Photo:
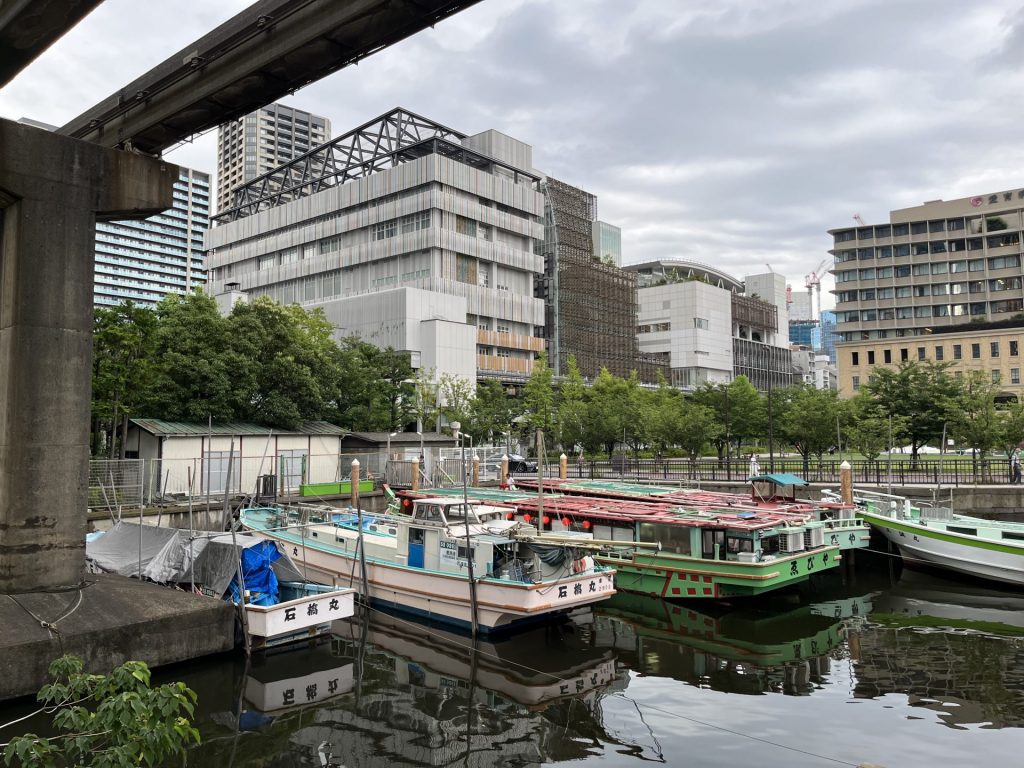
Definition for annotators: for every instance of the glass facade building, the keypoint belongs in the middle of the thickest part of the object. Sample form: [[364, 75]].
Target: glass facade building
[[145, 260]]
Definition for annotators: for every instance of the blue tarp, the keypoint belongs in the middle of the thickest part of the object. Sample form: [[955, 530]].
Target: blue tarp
[[781, 478], [260, 579]]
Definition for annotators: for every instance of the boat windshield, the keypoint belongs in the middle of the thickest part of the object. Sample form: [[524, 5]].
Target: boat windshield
[[444, 513]]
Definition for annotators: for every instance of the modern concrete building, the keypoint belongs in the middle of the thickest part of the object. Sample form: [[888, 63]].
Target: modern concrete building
[[697, 317], [800, 305], [425, 243], [144, 260], [938, 268], [590, 305], [813, 368], [261, 141]]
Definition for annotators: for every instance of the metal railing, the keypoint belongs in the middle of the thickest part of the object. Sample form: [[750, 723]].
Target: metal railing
[[926, 471]]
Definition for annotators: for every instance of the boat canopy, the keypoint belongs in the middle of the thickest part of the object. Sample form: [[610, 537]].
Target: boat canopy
[[780, 478]]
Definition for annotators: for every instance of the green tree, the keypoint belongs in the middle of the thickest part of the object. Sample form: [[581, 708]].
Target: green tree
[[572, 407], [664, 425], [924, 391], [123, 346], [1010, 432], [975, 421], [539, 396], [807, 420], [114, 721], [290, 369], [457, 396], [869, 430], [697, 426], [605, 415], [494, 412], [194, 365]]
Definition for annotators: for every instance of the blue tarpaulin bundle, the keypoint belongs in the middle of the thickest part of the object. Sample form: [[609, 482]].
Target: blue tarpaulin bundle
[[258, 575]]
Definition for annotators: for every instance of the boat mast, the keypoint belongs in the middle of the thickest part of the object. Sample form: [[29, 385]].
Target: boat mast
[[456, 426]]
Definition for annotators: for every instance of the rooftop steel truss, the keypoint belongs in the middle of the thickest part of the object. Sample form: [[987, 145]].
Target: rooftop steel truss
[[385, 141]]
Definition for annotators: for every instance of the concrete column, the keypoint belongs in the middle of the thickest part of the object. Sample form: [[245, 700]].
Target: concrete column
[[52, 191]]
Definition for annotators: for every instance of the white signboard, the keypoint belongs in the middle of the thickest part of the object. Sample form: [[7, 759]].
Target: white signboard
[[596, 584]]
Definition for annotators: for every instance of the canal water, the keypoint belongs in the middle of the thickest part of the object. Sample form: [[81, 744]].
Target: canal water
[[903, 670]]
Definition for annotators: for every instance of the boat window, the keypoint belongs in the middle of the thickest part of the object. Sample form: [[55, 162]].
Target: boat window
[[428, 512], [965, 531], [673, 538], [1013, 535], [770, 545], [735, 544]]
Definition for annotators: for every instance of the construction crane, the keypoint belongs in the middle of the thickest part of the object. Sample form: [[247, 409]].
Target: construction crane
[[858, 219], [813, 281]]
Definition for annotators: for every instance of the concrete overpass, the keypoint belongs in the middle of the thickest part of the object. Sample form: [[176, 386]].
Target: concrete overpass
[[53, 188]]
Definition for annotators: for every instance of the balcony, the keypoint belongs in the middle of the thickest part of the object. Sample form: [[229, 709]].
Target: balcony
[[516, 341], [491, 364]]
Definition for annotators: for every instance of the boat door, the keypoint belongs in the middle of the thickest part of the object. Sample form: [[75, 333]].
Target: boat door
[[713, 545], [417, 537]]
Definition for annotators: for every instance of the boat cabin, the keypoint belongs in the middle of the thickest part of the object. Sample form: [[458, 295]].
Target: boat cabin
[[776, 487]]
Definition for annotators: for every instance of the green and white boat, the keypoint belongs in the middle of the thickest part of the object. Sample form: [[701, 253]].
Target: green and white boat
[[936, 536]]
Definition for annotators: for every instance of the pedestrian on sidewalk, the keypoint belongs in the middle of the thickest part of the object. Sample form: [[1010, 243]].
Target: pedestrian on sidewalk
[[755, 468], [1015, 466]]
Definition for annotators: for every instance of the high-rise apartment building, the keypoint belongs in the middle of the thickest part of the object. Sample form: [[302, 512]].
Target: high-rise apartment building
[[144, 260], [259, 142], [425, 242], [940, 281]]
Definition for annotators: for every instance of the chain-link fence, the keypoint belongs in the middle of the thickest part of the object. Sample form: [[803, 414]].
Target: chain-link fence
[[130, 483]]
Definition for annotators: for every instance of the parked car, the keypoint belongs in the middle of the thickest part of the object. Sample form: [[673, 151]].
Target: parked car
[[516, 463]]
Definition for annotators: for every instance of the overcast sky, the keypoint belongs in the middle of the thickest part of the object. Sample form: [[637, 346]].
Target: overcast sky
[[733, 133]]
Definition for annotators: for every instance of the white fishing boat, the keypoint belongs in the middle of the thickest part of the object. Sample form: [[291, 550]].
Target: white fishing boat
[[418, 563], [933, 535], [280, 605]]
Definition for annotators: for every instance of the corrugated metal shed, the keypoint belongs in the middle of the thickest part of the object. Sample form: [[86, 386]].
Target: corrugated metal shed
[[240, 428]]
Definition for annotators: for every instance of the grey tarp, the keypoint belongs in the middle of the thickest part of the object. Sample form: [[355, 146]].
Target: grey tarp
[[168, 557]]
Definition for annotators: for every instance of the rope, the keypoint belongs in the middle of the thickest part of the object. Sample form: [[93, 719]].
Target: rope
[[51, 626]]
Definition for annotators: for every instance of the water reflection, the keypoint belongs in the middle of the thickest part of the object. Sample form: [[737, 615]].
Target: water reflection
[[911, 671], [955, 648], [783, 649], [410, 694]]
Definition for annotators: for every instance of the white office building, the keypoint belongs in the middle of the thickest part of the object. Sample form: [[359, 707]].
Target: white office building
[[426, 242]]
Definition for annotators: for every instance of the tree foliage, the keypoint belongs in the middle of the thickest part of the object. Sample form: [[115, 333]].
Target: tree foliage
[[108, 721]]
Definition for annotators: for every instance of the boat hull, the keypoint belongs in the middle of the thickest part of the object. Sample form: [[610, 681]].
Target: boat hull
[[995, 561], [673, 577], [444, 597]]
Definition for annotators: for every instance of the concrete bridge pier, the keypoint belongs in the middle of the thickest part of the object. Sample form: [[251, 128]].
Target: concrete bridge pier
[[53, 189]]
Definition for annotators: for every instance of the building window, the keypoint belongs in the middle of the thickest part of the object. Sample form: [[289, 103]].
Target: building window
[[920, 353], [957, 353], [266, 262], [385, 229], [700, 322], [993, 349], [1013, 348], [996, 376], [1015, 375], [465, 269], [939, 354], [975, 351], [855, 358], [465, 226], [871, 357], [903, 354], [887, 355], [856, 383]]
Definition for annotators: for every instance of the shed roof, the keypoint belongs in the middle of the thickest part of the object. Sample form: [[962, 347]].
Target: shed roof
[[782, 478], [231, 428]]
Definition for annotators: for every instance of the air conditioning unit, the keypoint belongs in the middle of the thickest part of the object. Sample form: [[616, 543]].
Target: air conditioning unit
[[814, 537], [792, 541]]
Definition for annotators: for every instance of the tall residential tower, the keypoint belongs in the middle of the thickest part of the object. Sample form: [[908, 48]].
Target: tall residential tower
[[262, 140]]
